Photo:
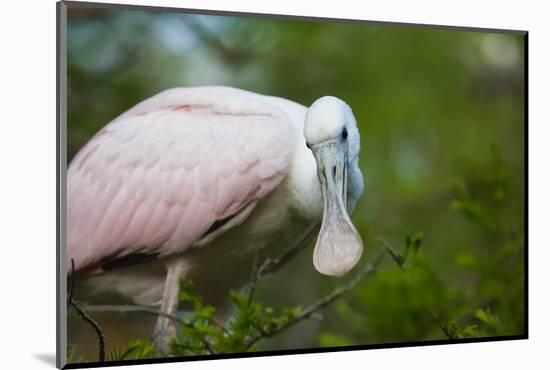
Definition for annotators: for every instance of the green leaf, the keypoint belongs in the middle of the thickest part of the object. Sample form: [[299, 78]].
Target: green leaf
[[491, 321], [470, 332]]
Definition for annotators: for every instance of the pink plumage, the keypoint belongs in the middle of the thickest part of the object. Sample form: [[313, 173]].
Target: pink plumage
[[156, 178], [202, 184]]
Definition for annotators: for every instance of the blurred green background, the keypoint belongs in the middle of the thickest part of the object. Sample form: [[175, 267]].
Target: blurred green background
[[441, 117]]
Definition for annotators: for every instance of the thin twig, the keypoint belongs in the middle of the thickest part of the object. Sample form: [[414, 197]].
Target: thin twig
[[323, 302], [72, 302], [396, 256], [272, 264], [259, 272], [134, 308], [72, 282], [253, 278], [400, 261], [148, 310], [95, 325]]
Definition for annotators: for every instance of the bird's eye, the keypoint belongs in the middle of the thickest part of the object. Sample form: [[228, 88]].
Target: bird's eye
[[345, 133]]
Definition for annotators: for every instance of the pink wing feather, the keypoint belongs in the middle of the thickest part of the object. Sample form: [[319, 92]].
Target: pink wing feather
[[156, 178]]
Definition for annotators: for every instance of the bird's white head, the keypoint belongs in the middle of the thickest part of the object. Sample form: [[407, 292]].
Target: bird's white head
[[331, 133]]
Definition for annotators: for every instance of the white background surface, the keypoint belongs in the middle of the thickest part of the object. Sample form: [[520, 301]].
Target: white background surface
[[27, 185]]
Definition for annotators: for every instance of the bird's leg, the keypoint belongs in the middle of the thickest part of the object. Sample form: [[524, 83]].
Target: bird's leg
[[165, 328]]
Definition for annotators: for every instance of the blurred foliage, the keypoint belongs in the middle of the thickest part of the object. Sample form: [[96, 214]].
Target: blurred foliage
[[441, 117], [487, 301]]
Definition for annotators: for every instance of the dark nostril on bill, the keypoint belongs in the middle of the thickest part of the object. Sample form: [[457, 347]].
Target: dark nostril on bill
[[334, 171]]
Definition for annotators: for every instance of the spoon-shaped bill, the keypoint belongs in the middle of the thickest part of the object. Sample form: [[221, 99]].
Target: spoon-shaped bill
[[339, 246]]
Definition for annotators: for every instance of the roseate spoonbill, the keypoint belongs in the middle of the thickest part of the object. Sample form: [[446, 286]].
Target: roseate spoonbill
[[198, 182]]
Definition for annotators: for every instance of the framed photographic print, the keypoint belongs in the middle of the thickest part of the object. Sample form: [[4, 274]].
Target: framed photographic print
[[234, 184]]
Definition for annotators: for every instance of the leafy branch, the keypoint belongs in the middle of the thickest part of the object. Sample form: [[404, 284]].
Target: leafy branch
[[145, 309], [321, 303], [202, 333]]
